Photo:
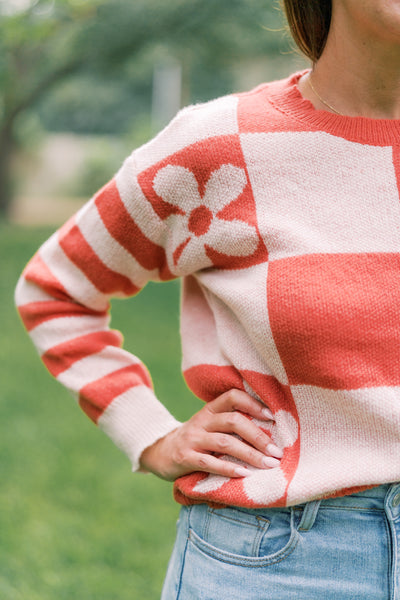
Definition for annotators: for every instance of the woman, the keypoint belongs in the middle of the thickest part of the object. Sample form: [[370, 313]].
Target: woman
[[280, 210]]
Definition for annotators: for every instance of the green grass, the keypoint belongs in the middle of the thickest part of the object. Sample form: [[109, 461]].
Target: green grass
[[74, 521]]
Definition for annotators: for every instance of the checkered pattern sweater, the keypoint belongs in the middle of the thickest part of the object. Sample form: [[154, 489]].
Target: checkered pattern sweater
[[284, 223]]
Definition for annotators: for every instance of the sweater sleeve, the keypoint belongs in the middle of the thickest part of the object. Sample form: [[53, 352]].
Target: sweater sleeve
[[118, 241]]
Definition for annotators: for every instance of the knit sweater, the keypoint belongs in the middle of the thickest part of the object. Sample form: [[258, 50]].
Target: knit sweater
[[284, 224]]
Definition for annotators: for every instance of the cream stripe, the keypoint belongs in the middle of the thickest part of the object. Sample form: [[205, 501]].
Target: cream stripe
[[27, 292], [59, 330], [96, 366]]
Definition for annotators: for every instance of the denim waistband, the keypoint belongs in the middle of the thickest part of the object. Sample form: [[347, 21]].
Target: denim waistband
[[385, 497], [374, 497]]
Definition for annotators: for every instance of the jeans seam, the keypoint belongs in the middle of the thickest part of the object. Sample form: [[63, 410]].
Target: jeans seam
[[178, 593], [390, 572], [248, 562], [353, 508], [262, 526], [207, 522], [179, 587], [240, 521]]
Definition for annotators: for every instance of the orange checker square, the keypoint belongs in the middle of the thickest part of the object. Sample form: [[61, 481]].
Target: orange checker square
[[335, 318]]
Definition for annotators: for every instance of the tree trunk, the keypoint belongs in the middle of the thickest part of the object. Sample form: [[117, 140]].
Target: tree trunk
[[8, 144], [7, 149]]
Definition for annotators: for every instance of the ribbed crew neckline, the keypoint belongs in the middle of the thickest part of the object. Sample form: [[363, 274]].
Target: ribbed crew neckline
[[286, 97]]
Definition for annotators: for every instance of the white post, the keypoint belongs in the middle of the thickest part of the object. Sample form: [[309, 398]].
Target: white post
[[167, 91]]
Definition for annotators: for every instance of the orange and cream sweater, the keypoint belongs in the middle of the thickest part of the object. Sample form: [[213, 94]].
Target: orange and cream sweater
[[284, 224]]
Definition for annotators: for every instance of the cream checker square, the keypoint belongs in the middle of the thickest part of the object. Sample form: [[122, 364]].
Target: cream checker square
[[316, 193]]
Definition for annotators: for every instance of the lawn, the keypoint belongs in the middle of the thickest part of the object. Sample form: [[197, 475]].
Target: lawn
[[74, 521]]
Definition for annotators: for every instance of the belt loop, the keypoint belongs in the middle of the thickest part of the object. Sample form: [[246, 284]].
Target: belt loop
[[309, 515]]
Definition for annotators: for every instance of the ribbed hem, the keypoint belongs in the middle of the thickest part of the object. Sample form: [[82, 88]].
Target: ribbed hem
[[286, 97]]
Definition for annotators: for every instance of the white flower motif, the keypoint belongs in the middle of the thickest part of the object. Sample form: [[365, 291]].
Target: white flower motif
[[286, 431], [262, 485], [210, 484], [197, 223], [213, 482]]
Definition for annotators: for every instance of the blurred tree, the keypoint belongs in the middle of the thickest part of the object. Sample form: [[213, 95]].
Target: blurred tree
[[38, 48], [45, 42]]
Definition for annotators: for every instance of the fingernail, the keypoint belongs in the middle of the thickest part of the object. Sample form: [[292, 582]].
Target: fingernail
[[270, 462], [242, 472], [274, 450], [268, 414]]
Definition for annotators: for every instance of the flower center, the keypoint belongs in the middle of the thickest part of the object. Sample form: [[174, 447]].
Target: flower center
[[200, 220]]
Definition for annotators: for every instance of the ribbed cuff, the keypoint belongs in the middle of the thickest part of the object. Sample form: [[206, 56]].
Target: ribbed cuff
[[135, 420]]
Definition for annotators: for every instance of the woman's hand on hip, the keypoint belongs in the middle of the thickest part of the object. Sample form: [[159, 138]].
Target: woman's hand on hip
[[219, 428]]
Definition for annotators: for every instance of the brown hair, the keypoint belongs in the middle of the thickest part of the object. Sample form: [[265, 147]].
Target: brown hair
[[309, 22]]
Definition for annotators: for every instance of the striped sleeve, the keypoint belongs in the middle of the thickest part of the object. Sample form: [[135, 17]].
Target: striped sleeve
[[110, 248]]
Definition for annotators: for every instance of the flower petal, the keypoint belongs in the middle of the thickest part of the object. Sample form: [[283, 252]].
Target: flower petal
[[178, 186], [210, 484], [193, 257], [265, 486], [178, 232], [234, 238], [224, 185], [287, 427], [214, 482]]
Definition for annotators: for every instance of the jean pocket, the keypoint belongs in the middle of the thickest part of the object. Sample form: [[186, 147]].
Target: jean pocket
[[241, 537]]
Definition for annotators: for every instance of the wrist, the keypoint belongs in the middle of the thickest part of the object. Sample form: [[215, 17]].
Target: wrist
[[154, 458]]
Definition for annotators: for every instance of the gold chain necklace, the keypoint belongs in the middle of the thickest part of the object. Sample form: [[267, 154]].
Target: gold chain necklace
[[321, 99]]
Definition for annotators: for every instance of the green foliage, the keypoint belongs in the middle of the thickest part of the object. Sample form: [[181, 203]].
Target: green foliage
[[74, 521], [86, 65], [71, 106], [97, 170], [100, 39]]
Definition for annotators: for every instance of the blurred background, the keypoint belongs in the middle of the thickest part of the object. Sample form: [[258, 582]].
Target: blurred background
[[83, 82]]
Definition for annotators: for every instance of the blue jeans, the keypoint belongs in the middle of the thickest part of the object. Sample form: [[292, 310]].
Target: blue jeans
[[345, 548]]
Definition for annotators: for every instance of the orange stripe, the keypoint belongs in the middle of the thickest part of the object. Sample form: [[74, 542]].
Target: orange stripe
[[210, 381], [123, 228], [36, 313], [178, 251], [61, 357], [38, 272], [96, 396], [83, 256]]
